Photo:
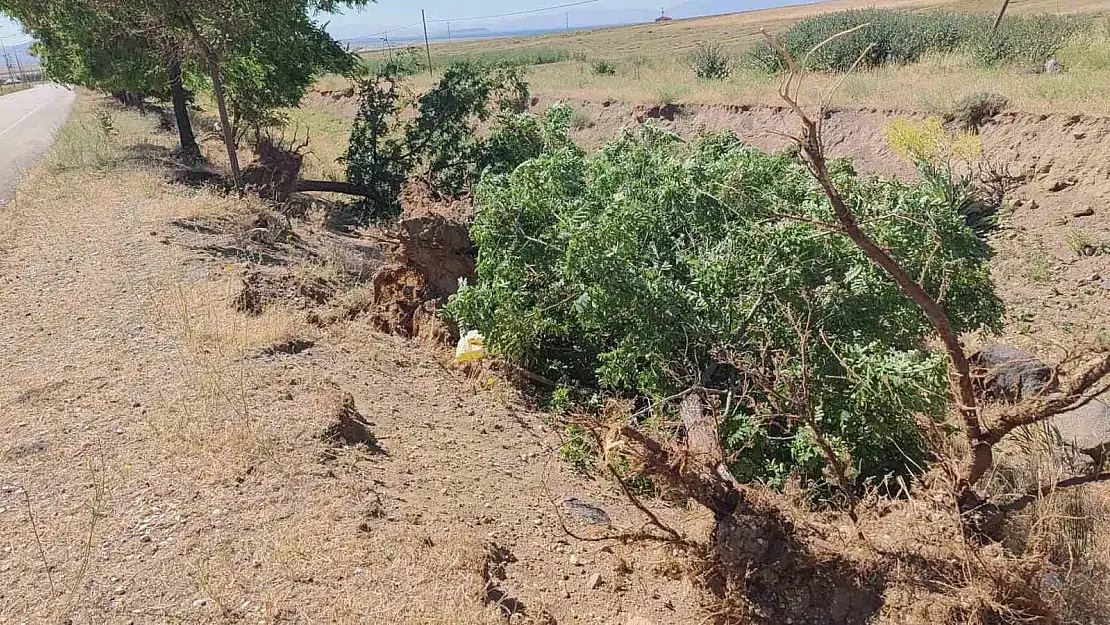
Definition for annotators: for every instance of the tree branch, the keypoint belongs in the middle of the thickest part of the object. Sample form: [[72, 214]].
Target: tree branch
[[1022, 502], [1076, 396]]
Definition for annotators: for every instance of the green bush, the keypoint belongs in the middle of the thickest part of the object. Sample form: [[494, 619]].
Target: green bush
[[441, 142], [654, 265], [900, 37], [603, 68], [711, 62]]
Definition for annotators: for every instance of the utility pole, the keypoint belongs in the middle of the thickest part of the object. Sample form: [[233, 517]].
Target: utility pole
[[7, 59], [1002, 12], [568, 20], [427, 46], [448, 32]]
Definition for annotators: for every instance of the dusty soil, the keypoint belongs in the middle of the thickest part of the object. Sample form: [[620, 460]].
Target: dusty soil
[[159, 462]]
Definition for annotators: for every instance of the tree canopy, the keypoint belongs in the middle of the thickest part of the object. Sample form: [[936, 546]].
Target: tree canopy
[[257, 56]]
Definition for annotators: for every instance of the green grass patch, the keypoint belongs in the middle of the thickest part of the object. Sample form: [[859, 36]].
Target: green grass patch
[[902, 37]]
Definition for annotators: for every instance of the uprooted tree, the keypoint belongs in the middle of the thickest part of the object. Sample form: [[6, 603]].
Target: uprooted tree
[[660, 269], [788, 293], [442, 146]]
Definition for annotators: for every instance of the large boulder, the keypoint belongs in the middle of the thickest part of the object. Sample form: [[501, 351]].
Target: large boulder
[[1086, 431], [1009, 373]]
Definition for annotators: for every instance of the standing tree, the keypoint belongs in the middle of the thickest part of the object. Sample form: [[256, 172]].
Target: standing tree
[[95, 47], [256, 55]]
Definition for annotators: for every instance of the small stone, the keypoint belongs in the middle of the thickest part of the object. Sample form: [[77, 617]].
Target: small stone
[[1032, 205], [1061, 184], [119, 590], [1094, 278], [145, 538], [1084, 212], [593, 581], [574, 561]]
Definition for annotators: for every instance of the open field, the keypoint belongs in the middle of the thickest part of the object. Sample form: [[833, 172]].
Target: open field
[[652, 64]]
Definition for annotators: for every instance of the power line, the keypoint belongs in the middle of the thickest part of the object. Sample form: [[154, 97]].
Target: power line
[[474, 18], [515, 13]]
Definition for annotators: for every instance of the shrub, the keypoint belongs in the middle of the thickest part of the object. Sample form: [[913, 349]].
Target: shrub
[[711, 62], [442, 140], [900, 37], [652, 266], [937, 156], [973, 110], [603, 68]]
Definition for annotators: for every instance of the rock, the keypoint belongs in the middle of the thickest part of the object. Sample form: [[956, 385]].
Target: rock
[[1086, 430], [350, 427], [1084, 212], [1053, 66], [1032, 205], [1061, 184], [1004, 372], [587, 512], [593, 581], [1053, 580]]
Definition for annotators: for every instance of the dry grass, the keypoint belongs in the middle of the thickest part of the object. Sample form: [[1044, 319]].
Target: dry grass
[[652, 64], [6, 89], [143, 388]]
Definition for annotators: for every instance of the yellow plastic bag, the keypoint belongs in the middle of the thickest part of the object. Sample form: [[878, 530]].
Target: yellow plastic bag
[[471, 347]]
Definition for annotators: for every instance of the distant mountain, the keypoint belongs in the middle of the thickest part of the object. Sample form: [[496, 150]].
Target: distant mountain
[[20, 52], [699, 8]]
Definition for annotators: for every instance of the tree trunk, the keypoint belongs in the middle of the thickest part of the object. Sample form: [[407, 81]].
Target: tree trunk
[[225, 121], [328, 186], [189, 148]]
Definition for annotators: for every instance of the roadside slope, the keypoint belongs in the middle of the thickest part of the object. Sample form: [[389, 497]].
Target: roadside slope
[[159, 463]]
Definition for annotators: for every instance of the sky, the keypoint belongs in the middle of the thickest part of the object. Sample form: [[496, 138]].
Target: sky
[[11, 32], [391, 14]]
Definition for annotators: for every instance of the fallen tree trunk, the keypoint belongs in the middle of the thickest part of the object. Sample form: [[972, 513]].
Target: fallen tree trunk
[[328, 186]]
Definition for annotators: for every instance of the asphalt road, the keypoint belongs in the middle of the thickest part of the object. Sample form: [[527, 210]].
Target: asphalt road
[[29, 120]]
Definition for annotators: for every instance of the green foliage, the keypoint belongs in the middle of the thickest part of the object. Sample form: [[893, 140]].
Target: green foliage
[[442, 142], [711, 62], [268, 52], [414, 61], [579, 449], [377, 158], [900, 37], [603, 68], [515, 58], [972, 110], [642, 267]]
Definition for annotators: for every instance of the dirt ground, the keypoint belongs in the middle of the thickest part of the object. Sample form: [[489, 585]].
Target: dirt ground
[[168, 454], [159, 465]]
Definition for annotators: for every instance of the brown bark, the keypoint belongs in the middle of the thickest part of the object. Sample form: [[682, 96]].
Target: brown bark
[[707, 459], [178, 95], [225, 121], [981, 454]]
